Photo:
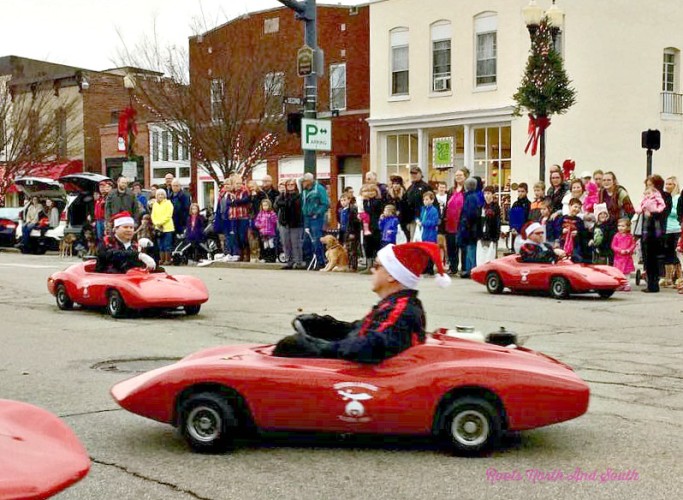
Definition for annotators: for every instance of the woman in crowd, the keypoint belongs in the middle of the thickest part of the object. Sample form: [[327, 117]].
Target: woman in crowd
[[654, 210], [456, 254], [52, 213], [672, 268], [288, 208], [576, 190], [373, 207], [468, 229], [396, 196], [162, 218], [239, 214], [615, 197], [557, 191]]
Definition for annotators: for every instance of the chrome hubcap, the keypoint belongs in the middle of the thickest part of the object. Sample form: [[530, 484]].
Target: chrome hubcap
[[203, 424], [470, 428]]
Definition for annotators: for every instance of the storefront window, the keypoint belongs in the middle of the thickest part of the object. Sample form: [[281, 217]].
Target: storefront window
[[401, 154], [492, 153], [437, 171]]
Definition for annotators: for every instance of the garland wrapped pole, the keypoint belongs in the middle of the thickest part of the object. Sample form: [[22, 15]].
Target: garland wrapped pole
[[545, 89]]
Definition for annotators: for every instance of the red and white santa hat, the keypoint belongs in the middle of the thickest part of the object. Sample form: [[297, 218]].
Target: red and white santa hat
[[122, 219], [406, 262], [530, 228]]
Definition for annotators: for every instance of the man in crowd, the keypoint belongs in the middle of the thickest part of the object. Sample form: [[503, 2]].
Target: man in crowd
[[414, 194], [314, 206], [181, 206], [121, 200], [268, 189], [119, 253], [168, 184], [142, 199]]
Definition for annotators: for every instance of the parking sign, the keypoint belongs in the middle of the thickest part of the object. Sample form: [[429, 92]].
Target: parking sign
[[316, 134]]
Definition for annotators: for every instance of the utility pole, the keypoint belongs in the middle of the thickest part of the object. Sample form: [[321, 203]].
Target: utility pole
[[305, 10]]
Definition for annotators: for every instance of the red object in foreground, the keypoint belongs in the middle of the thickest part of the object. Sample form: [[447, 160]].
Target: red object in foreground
[[466, 393], [39, 454], [559, 279], [137, 289]]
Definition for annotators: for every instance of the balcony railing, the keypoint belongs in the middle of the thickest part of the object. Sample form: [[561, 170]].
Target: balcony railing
[[672, 103]]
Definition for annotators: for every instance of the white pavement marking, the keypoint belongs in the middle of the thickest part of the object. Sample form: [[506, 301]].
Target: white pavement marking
[[31, 266]]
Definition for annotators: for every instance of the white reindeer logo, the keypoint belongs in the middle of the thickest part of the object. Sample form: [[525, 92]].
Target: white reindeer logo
[[354, 409]]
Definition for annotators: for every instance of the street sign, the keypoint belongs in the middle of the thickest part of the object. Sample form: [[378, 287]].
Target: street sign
[[316, 135], [304, 61], [293, 100], [129, 170]]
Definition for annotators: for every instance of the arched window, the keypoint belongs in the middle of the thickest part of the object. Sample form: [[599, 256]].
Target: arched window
[[442, 34], [486, 47], [670, 70], [399, 61]]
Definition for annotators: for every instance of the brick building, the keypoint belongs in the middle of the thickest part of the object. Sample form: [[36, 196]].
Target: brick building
[[271, 39]]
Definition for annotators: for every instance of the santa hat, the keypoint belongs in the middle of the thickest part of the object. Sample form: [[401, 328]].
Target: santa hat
[[122, 219], [406, 262], [530, 229]]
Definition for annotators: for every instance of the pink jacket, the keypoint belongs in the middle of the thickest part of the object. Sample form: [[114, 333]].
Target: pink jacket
[[266, 223], [623, 241], [652, 203], [453, 211]]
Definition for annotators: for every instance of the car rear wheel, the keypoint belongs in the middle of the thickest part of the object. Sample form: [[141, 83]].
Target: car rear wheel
[[208, 422], [116, 306], [471, 425], [605, 294], [64, 302], [494, 284], [559, 288], [192, 310]]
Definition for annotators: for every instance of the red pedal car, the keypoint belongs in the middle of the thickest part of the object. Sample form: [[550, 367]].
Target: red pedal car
[[135, 290], [466, 393], [39, 454], [560, 279]]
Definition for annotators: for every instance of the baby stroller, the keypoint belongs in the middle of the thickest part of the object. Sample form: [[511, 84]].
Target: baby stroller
[[185, 251]]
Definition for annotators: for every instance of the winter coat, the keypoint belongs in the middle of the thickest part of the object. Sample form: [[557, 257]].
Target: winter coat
[[181, 209], [619, 204], [537, 252], [194, 229], [373, 207], [468, 228], [454, 210], [266, 223], [489, 228], [315, 202], [113, 257], [121, 202], [429, 219], [288, 208], [414, 198], [389, 227], [556, 197], [162, 215]]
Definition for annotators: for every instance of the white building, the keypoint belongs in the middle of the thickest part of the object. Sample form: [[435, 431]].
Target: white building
[[449, 69]]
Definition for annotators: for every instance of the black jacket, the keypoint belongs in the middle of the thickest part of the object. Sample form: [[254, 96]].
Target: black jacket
[[288, 208], [489, 229], [113, 257], [414, 198]]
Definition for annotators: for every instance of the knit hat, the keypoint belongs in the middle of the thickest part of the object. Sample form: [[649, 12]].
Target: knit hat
[[122, 219], [598, 208], [406, 262]]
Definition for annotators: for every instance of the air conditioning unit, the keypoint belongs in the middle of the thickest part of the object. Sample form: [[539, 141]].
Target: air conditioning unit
[[442, 83], [353, 11]]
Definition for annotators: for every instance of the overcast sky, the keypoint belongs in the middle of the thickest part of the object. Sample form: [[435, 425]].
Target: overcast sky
[[83, 33]]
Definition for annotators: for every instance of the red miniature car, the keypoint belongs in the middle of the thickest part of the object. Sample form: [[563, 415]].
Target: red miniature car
[[137, 289], [560, 279], [39, 454], [464, 392]]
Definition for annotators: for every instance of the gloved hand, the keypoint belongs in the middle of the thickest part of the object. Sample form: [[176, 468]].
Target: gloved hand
[[304, 320], [145, 243], [147, 261]]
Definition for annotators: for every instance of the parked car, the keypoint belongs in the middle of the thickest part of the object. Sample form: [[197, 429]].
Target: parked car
[[43, 239], [9, 221], [137, 289], [39, 454], [560, 279], [462, 392], [81, 186]]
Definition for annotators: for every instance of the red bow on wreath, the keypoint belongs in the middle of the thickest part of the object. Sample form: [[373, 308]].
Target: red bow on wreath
[[128, 129], [537, 126]]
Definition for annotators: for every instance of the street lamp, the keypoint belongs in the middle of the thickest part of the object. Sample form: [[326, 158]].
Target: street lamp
[[532, 16]]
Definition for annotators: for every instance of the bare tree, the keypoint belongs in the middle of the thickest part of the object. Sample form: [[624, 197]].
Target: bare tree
[[38, 124], [229, 114]]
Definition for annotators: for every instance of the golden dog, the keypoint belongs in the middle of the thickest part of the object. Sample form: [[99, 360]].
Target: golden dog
[[336, 255], [66, 246], [254, 246]]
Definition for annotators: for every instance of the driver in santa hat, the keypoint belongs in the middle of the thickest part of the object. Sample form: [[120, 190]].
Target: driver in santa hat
[[535, 249], [396, 323], [119, 253]]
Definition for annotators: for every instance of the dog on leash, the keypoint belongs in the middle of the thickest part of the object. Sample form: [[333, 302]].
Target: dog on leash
[[336, 255], [66, 246]]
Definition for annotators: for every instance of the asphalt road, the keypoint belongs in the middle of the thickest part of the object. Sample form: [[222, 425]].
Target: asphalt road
[[629, 348]]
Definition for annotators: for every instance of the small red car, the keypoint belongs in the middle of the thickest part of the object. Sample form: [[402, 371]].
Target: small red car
[[135, 290], [466, 393], [560, 279], [39, 454]]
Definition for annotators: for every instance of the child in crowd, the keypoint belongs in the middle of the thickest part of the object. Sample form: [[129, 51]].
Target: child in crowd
[[573, 231], [146, 230], [519, 212], [591, 197], [194, 232], [551, 226], [489, 229], [605, 230], [388, 225], [539, 197], [588, 243], [441, 204], [652, 203], [623, 246], [266, 223], [429, 222], [350, 237], [343, 217]]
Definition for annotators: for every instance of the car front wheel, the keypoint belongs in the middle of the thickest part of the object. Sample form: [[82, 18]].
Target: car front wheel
[[192, 310], [208, 422], [559, 288], [64, 302], [471, 425], [494, 284], [116, 306]]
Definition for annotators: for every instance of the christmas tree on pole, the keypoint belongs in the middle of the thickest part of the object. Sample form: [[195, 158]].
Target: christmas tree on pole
[[545, 89]]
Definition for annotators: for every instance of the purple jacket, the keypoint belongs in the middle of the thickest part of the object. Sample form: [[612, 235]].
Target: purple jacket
[[195, 232]]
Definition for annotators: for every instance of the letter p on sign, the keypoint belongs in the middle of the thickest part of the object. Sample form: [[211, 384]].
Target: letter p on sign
[[317, 135]]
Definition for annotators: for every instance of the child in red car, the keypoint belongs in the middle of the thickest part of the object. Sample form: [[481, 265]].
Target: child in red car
[[396, 323]]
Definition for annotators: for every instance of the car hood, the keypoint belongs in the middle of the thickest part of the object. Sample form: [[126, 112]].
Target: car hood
[[41, 187], [85, 181]]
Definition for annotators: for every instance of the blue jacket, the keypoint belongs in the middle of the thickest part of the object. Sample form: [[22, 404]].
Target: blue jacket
[[314, 201], [470, 219], [195, 234], [429, 218], [181, 209], [389, 227]]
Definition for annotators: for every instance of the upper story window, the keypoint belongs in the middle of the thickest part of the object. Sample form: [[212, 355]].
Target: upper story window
[[441, 56], [669, 80], [338, 86], [399, 61], [273, 91], [217, 86], [485, 29], [271, 25]]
